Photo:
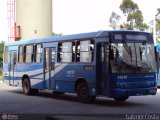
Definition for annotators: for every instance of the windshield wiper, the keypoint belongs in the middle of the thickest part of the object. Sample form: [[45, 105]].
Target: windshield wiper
[[127, 48]]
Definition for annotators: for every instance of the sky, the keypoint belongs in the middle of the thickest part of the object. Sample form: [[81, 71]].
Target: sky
[[79, 16]]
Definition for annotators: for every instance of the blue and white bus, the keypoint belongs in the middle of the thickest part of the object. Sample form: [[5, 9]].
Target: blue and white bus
[[158, 64], [117, 64]]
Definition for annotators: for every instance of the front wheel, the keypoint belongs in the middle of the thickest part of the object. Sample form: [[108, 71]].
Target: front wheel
[[83, 93], [122, 98]]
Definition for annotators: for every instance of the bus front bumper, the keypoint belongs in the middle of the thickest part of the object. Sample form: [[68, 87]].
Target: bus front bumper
[[118, 92]]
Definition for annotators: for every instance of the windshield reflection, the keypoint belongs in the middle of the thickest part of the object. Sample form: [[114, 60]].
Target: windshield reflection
[[132, 57]]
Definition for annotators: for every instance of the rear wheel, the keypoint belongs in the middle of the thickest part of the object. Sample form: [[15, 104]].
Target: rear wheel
[[120, 99], [26, 86], [83, 93]]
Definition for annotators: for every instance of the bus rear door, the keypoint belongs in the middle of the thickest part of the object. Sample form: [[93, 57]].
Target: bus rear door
[[12, 70], [50, 53], [102, 68]]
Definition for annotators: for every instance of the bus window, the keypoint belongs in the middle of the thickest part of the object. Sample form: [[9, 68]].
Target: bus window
[[102, 53], [20, 55], [73, 51], [47, 59], [78, 52], [6, 55], [65, 52], [29, 52], [86, 51], [59, 52], [38, 53]]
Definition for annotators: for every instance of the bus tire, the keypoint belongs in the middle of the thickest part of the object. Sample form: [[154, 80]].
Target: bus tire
[[83, 93], [26, 86], [121, 99]]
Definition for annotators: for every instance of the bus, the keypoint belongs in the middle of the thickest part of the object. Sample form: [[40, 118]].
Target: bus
[[157, 47], [116, 64]]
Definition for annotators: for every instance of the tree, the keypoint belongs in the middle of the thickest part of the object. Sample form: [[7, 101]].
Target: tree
[[1, 56], [158, 21], [114, 20], [128, 6], [158, 25], [134, 16], [57, 34], [158, 11], [1, 53]]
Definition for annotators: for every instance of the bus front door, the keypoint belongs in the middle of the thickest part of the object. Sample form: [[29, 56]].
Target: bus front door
[[49, 66], [102, 68], [12, 72]]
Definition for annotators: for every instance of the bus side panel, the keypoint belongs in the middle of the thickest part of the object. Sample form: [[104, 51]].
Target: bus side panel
[[64, 77], [34, 72], [6, 76], [36, 76], [5, 68], [67, 74], [20, 72], [157, 54], [87, 71], [10, 68], [158, 80]]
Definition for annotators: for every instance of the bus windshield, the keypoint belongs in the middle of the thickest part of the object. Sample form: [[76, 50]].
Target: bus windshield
[[132, 58]]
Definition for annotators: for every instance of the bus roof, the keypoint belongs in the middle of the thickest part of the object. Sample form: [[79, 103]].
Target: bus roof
[[70, 37]]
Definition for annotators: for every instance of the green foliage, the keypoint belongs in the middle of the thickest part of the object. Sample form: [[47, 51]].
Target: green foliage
[[128, 6], [158, 11], [114, 20], [1, 53], [158, 25], [126, 26], [57, 34], [134, 16], [137, 16], [1, 57], [158, 21]]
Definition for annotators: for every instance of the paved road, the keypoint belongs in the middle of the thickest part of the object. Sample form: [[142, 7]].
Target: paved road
[[14, 102]]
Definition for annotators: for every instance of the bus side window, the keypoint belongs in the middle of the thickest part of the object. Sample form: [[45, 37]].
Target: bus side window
[[29, 52], [102, 53], [38, 53], [78, 51], [6, 55], [92, 50], [73, 51], [59, 56], [86, 51], [20, 54], [24, 53], [65, 52]]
